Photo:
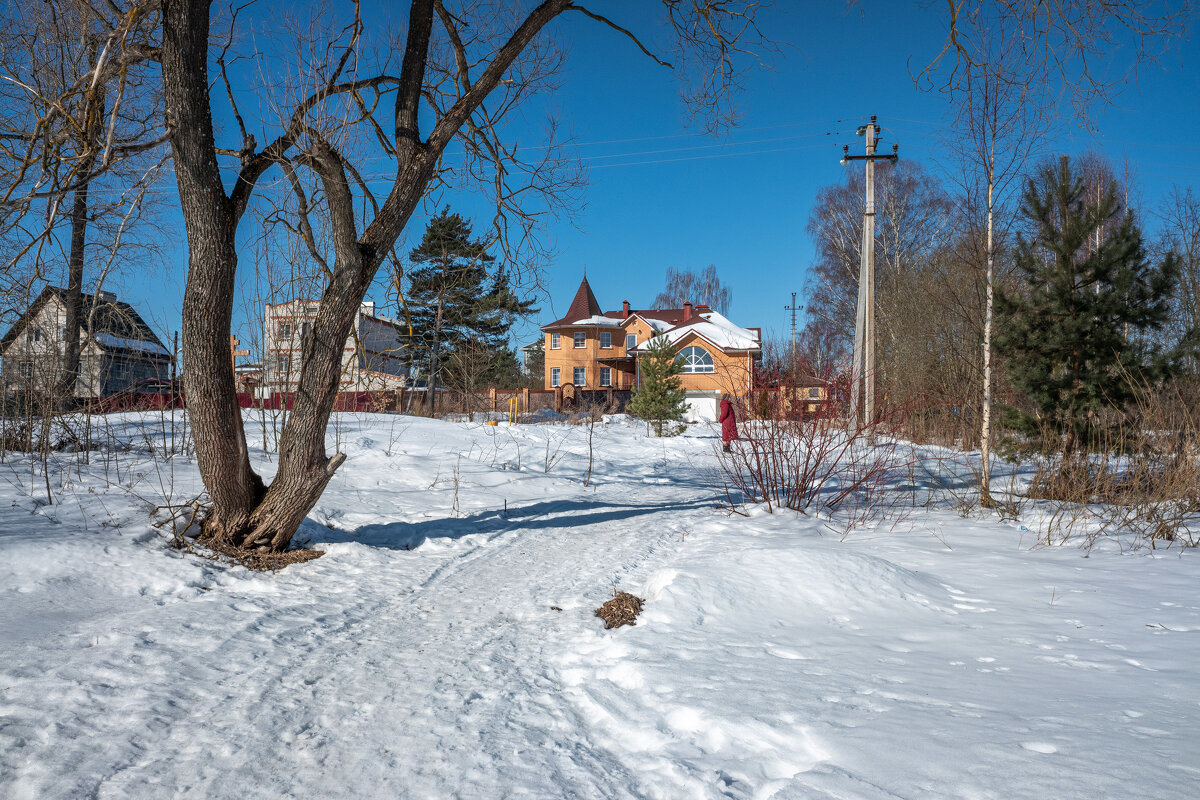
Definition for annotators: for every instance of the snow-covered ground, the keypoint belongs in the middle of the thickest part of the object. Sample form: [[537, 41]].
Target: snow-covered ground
[[421, 657]]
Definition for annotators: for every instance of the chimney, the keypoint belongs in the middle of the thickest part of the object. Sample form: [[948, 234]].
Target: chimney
[[624, 309], [368, 308], [687, 311]]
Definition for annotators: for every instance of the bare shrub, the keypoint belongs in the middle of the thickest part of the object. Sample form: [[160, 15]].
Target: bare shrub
[[804, 454]]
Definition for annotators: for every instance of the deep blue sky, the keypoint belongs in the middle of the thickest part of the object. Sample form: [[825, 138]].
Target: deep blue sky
[[660, 195]]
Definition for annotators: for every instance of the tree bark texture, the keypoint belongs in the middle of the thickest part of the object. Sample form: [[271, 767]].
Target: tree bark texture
[[233, 487]]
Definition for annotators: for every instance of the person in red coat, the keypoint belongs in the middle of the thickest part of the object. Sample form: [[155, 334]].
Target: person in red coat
[[728, 424]]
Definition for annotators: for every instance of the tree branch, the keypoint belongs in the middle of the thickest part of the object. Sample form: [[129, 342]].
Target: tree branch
[[625, 31]]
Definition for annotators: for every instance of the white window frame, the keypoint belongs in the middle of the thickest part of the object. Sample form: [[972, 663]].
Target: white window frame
[[555, 376], [283, 330], [691, 355], [630, 341], [555, 341], [25, 369], [283, 364], [580, 339], [579, 376], [35, 334], [606, 376], [605, 340]]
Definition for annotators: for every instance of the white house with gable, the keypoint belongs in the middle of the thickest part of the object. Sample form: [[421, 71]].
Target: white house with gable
[[373, 358], [117, 349]]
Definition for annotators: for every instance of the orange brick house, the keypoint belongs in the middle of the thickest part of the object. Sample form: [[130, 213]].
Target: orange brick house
[[595, 349]]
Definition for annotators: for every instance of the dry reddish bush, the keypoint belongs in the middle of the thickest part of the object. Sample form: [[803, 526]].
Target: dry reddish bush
[[804, 453], [1142, 477]]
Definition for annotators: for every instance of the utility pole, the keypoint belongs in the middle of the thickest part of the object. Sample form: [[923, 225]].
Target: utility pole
[[793, 308], [862, 371], [792, 354]]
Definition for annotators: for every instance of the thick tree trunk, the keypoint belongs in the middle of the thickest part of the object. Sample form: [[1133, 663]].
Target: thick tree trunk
[[233, 487]]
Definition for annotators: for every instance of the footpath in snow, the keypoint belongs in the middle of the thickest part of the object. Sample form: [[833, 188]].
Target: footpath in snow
[[422, 656]]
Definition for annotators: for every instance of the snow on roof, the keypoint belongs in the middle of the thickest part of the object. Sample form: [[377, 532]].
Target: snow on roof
[[597, 319], [659, 325], [395, 323], [123, 343], [714, 328]]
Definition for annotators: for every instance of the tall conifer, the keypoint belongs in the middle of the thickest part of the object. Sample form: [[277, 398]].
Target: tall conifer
[[453, 300], [1080, 336]]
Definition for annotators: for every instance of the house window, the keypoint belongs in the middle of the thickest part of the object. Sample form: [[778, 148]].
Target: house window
[[555, 341], [62, 334], [285, 330], [35, 335], [696, 359], [283, 364], [580, 339], [580, 375], [606, 376], [555, 374], [605, 339], [814, 392], [25, 369], [630, 341]]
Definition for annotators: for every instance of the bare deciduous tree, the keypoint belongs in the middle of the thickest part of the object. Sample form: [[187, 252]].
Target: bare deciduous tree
[[998, 124], [1065, 46], [913, 222], [1180, 216], [461, 69], [78, 119], [704, 287]]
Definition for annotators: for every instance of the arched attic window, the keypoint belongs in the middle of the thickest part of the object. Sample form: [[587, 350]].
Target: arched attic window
[[696, 359]]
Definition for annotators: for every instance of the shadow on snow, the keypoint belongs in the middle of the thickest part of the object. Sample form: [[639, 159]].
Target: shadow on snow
[[565, 514]]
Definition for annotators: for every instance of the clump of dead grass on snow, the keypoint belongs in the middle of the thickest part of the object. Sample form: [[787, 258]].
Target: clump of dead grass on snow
[[623, 609]]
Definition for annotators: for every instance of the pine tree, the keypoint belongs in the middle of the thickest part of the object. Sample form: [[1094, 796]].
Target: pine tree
[[1080, 337], [452, 302], [659, 397]]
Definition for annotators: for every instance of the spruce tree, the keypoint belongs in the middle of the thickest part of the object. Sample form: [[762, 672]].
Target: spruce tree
[[451, 300], [1080, 337], [659, 397]]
